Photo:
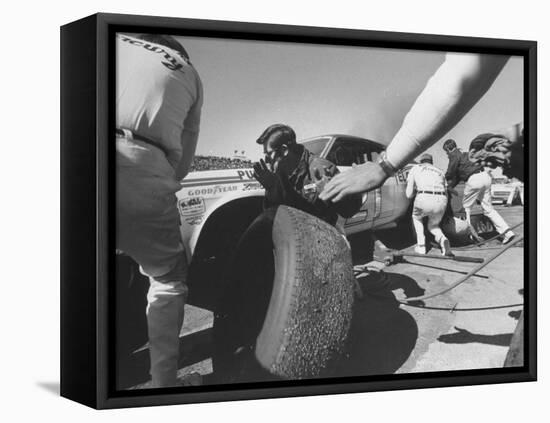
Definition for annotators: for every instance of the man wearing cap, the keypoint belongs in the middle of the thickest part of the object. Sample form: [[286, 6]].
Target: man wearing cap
[[478, 187], [158, 107], [293, 176], [427, 183]]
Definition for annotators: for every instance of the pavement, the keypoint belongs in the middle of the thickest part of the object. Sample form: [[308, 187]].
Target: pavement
[[469, 327]]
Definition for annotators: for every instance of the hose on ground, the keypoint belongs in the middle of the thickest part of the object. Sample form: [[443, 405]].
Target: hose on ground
[[465, 277]]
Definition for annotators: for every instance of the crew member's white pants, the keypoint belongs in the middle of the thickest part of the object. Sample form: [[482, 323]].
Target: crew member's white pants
[[433, 207], [478, 187], [147, 229], [165, 310]]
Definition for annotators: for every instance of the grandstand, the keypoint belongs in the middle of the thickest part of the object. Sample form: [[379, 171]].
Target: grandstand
[[215, 163]]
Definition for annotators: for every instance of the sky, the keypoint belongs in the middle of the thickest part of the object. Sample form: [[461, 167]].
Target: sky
[[320, 89]]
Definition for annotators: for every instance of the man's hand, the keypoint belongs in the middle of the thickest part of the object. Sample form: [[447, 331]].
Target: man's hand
[[322, 177], [358, 180], [264, 175]]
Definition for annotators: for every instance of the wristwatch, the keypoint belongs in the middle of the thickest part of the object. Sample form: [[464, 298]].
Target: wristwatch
[[386, 166]]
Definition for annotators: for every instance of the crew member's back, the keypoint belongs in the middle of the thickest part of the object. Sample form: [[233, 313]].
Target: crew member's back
[[158, 94]]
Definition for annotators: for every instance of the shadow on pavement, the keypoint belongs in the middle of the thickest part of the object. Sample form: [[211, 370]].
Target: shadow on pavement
[[463, 336], [406, 283], [382, 335]]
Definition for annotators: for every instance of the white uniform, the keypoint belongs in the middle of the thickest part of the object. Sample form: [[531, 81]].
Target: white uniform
[[158, 104], [478, 188], [428, 182]]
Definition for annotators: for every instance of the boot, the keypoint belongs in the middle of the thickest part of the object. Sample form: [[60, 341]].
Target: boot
[[446, 247]]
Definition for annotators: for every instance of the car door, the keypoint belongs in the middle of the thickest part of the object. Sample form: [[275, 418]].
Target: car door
[[383, 205], [345, 152]]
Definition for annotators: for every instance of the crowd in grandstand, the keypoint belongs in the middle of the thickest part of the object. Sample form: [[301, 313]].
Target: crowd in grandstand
[[215, 163]]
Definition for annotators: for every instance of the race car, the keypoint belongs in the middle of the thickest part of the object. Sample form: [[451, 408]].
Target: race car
[[309, 262], [224, 202]]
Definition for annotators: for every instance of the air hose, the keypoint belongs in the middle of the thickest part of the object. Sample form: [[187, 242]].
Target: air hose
[[466, 276]]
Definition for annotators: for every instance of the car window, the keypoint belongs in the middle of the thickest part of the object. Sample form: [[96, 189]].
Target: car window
[[374, 154], [317, 145], [345, 152]]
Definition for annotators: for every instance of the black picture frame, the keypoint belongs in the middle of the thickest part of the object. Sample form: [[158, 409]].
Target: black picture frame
[[87, 119]]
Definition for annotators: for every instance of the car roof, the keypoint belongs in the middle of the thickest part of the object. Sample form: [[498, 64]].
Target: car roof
[[332, 136]]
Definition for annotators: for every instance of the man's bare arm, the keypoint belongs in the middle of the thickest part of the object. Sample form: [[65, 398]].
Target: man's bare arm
[[449, 94]]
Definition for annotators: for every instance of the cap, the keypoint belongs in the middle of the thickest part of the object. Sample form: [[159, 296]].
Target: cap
[[426, 158]]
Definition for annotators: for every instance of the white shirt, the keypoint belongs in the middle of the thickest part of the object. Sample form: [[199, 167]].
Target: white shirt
[[158, 95], [425, 177]]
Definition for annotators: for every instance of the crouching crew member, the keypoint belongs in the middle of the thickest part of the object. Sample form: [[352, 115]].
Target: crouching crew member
[[428, 183], [478, 187]]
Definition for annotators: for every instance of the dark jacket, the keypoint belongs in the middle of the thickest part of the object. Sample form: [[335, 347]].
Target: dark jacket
[[298, 186], [460, 168]]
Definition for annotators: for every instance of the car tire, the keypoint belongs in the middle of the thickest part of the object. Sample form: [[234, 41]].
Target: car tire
[[292, 322], [483, 225], [458, 232], [310, 310]]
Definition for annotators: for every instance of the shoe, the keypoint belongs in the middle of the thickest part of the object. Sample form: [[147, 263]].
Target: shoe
[[508, 236], [446, 248], [420, 249]]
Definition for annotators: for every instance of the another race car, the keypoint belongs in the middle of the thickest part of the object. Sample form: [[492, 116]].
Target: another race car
[[504, 191]]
